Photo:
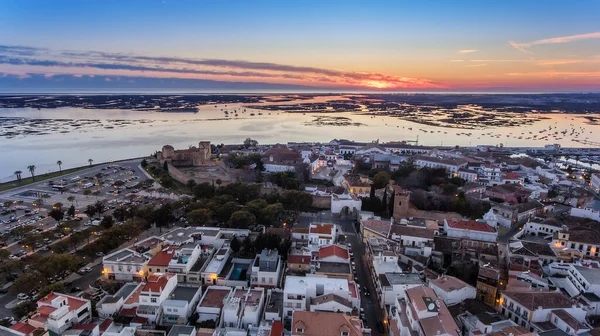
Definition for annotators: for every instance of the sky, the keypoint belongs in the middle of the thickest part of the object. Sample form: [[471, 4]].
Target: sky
[[397, 45]]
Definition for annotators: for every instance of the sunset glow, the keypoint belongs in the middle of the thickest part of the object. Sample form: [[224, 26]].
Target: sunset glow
[[394, 46]]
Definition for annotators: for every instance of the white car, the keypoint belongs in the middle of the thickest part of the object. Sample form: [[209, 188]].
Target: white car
[[23, 296]]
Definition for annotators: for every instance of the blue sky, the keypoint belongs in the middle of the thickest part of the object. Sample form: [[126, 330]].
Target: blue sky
[[393, 44]]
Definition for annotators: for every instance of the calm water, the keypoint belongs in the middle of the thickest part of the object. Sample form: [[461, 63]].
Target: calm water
[[107, 139]]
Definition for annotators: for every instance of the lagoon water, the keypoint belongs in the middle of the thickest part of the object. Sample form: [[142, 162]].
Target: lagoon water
[[74, 135]]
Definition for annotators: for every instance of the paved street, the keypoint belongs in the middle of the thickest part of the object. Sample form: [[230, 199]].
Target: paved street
[[371, 307]]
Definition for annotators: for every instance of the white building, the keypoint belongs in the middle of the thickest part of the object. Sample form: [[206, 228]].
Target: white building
[[266, 269], [452, 290], [124, 265], [109, 305], [215, 266], [395, 285], [451, 165], [423, 314], [579, 277], [320, 234], [180, 304], [528, 307], [470, 229], [58, 312], [212, 302], [156, 290], [349, 202], [542, 228], [243, 308], [468, 175], [299, 291], [590, 210]]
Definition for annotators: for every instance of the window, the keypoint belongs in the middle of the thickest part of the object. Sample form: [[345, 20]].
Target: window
[[299, 330], [289, 313], [298, 304], [270, 280], [150, 270], [568, 330], [345, 333], [555, 320], [153, 300]]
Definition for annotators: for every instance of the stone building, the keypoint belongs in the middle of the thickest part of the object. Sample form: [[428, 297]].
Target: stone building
[[193, 156]]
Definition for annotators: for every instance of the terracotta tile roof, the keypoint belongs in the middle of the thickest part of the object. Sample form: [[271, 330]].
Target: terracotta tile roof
[[23, 328], [45, 310], [214, 297], [442, 322], [139, 320], [135, 296], [162, 258], [156, 282], [376, 225], [488, 272], [330, 298], [299, 259], [471, 225], [399, 190], [277, 329], [105, 324], [333, 250], [325, 324], [545, 299], [300, 230], [512, 330], [128, 311], [82, 326], [568, 319], [321, 228], [73, 302], [449, 283]]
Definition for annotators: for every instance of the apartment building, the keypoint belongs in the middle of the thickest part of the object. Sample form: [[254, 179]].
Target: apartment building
[[212, 302], [320, 234], [532, 309], [58, 312], [470, 229], [299, 291], [306, 323], [452, 290], [266, 269], [451, 165], [124, 265], [423, 313], [391, 286], [154, 292], [180, 304], [243, 308], [213, 268], [576, 278]]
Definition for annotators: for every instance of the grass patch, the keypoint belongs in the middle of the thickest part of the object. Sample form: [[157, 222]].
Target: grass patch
[[28, 180]]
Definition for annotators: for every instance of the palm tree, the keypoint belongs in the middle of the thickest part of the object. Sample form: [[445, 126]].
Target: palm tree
[[90, 161], [71, 199], [31, 169], [18, 174], [59, 163]]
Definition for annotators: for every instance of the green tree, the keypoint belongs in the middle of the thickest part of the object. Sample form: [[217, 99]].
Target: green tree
[[271, 213], [90, 210], [71, 211], [235, 245], [100, 207], [59, 163], [381, 179], [107, 222], [120, 213], [204, 190], [242, 219], [191, 184], [199, 217], [162, 216], [250, 143], [87, 193], [255, 206], [31, 169], [144, 163], [57, 214], [225, 211], [166, 166], [18, 175], [90, 161]]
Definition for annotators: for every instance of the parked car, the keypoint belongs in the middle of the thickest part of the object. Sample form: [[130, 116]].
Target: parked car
[[23, 296]]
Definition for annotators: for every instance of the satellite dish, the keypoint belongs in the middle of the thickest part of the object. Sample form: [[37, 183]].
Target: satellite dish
[[431, 306]]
